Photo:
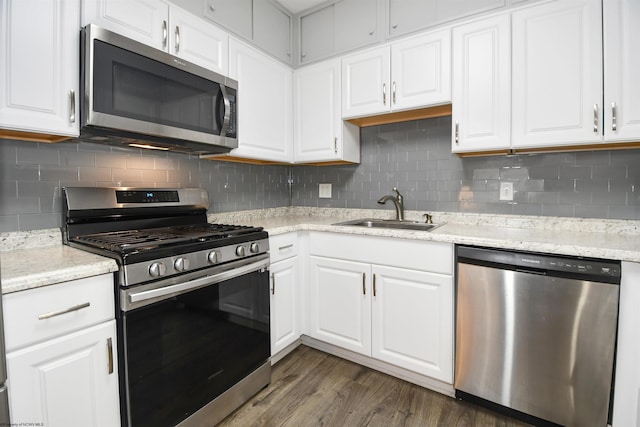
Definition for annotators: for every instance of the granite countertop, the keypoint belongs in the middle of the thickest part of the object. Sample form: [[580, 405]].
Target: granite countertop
[[38, 258]]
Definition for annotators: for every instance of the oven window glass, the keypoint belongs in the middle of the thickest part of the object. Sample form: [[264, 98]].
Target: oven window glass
[[185, 351], [132, 86]]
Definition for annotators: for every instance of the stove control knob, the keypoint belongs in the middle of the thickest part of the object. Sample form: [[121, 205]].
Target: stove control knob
[[181, 264], [214, 257], [157, 269], [240, 251], [254, 248]]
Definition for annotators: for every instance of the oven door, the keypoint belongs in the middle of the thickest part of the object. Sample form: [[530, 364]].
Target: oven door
[[130, 87], [185, 343]]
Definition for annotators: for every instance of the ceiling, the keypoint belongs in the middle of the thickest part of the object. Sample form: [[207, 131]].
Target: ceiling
[[296, 6]]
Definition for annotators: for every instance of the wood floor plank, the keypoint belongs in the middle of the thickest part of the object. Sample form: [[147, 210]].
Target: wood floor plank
[[310, 388]]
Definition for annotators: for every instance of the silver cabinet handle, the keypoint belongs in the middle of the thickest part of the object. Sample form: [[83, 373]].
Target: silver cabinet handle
[[374, 285], [394, 93], [457, 133], [72, 106], [164, 33], [614, 119], [177, 39], [110, 355], [595, 118], [364, 285], [335, 145], [273, 284], [384, 94], [63, 311], [282, 248]]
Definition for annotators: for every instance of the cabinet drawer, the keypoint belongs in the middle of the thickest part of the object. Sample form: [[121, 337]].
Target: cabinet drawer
[[283, 246], [40, 314]]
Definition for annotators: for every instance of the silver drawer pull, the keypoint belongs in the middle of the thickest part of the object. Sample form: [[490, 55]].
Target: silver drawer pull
[[64, 311], [282, 248]]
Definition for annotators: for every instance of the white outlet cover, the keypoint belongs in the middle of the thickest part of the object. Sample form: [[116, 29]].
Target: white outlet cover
[[324, 191], [506, 191]]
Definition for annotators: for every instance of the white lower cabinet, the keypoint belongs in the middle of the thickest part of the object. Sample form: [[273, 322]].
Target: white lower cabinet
[[398, 312], [61, 354], [285, 328], [412, 320], [284, 292], [67, 381], [626, 404], [340, 303]]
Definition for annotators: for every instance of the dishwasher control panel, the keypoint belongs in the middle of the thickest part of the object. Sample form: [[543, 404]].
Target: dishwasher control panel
[[606, 270]]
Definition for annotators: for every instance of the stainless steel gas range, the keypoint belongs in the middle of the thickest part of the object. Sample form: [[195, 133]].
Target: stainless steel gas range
[[192, 301]]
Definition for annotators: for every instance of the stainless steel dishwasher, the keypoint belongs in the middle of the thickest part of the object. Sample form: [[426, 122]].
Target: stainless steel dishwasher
[[536, 334]]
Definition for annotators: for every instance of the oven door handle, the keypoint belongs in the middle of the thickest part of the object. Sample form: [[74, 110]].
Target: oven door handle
[[181, 288]]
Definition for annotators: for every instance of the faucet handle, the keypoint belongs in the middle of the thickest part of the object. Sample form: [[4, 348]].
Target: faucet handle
[[397, 192], [428, 219]]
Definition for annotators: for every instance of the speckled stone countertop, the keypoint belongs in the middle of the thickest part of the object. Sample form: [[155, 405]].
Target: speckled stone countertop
[[611, 239], [38, 258]]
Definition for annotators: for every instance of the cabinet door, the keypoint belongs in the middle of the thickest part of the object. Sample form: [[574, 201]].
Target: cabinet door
[[481, 86], [626, 405], [621, 70], [340, 303], [557, 74], [285, 326], [265, 106], [365, 83], [316, 34], [406, 16], [198, 41], [67, 381], [272, 29], [356, 24], [317, 112], [235, 15], [412, 320], [146, 21], [421, 71], [39, 63]]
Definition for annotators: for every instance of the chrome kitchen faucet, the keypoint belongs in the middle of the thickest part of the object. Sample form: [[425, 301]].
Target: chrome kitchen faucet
[[398, 201]]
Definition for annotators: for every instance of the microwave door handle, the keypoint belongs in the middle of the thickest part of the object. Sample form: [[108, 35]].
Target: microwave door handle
[[227, 111]]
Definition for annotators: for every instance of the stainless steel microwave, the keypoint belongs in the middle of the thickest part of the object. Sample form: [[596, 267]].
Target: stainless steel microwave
[[136, 95]]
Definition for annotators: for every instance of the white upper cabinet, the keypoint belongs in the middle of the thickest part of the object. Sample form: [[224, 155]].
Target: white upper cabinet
[[365, 82], [198, 41], [621, 70], [272, 29], [408, 74], [146, 21], [39, 66], [481, 85], [557, 74], [165, 27], [265, 107], [421, 71], [336, 28], [320, 133], [235, 15], [406, 16]]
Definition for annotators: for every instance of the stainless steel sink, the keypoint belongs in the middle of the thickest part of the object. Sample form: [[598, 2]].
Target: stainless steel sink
[[390, 223]]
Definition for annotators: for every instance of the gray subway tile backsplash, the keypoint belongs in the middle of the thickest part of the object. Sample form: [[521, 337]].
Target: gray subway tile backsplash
[[413, 156]]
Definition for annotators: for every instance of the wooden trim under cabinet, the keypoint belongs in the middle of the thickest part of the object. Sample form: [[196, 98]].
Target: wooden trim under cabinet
[[31, 136]]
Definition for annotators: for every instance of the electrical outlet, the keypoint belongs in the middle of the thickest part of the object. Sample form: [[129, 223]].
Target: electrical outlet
[[506, 191], [324, 191]]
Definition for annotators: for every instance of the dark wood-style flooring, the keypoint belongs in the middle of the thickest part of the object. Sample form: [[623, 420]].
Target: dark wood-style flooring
[[312, 388]]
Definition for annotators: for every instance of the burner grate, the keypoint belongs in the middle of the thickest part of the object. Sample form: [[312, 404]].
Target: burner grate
[[128, 240]]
